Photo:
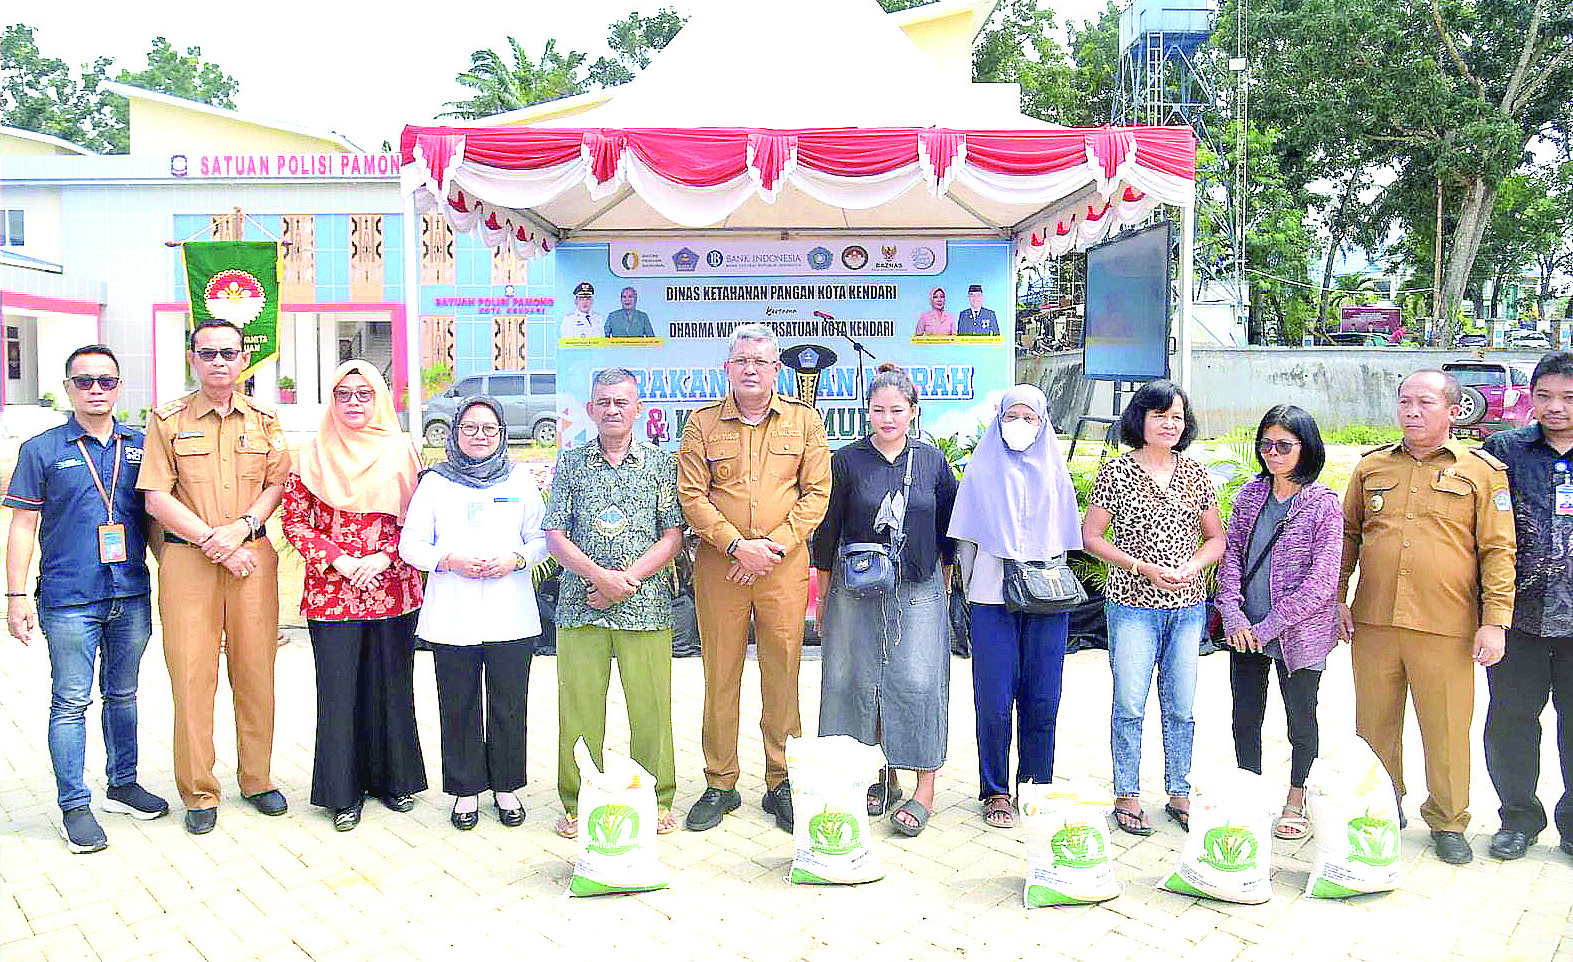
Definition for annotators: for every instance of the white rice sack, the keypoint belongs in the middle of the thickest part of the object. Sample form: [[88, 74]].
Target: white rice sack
[[616, 827], [1228, 853], [1354, 816], [1067, 845], [830, 840]]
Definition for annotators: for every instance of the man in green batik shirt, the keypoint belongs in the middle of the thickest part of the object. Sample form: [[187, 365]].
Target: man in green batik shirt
[[614, 523]]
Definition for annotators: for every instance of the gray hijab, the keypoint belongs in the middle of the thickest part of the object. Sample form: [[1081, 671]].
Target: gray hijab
[[459, 467], [1018, 504]]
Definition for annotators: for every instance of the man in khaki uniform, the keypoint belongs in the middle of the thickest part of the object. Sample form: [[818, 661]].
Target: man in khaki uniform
[[213, 470], [753, 479], [1430, 524]]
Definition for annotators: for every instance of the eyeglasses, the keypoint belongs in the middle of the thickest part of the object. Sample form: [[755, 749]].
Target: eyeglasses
[[344, 395], [470, 429], [1276, 447], [85, 382], [207, 354], [748, 362]]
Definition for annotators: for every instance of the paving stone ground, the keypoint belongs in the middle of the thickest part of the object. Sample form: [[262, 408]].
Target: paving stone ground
[[411, 887]]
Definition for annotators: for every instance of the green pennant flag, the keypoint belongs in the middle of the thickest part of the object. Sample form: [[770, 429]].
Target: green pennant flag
[[237, 281]]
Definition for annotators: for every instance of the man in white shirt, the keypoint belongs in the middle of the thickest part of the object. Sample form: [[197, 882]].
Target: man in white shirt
[[582, 321]]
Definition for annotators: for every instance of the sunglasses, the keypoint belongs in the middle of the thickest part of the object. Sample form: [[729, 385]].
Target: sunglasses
[[470, 430], [85, 382], [1276, 447], [345, 395], [207, 354]]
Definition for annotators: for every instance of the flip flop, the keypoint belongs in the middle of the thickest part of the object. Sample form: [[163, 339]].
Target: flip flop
[[886, 793], [997, 812], [917, 812], [665, 822], [567, 826], [1292, 824], [1132, 823], [1178, 816]]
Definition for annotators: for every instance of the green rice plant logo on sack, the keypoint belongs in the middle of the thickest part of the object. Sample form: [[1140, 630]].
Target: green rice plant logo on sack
[[613, 830], [833, 833], [1229, 848], [1078, 845], [1373, 840]]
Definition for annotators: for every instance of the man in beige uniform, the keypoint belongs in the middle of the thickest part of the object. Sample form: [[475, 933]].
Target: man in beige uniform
[[753, 479], [214, 468], [1430, 524]]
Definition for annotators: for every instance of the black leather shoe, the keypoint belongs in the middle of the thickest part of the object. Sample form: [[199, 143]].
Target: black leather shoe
[[270, 802], [463, 821], [1509, 844], [1567, 846], [778, 802], [201, 821], [347, 818], [398, 803], [511, 817], [1452, 847], [712, 806]]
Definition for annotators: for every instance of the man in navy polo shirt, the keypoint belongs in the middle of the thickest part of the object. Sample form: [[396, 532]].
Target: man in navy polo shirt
[[74, 492]]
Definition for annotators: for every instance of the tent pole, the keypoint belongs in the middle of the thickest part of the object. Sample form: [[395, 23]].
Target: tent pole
[[1187, 254], [412, 314]]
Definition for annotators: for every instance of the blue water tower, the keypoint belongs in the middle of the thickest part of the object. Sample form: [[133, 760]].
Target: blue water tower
[[1160, 82]]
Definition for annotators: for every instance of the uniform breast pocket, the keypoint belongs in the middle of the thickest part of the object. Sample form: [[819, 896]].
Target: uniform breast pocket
[[1377, 490], [193, 458], [1452, 499], [726, 460], [785, 454], [251, 459]]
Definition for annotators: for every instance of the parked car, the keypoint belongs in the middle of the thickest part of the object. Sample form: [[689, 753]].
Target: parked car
[[1495, 396], [1472, 339], [529, 402], [1360, 339], [1524, 340]]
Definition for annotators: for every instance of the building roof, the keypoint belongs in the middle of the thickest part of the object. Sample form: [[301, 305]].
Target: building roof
[[329, 140], [45, 140]]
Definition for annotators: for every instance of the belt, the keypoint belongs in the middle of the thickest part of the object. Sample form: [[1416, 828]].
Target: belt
[[262, 532]]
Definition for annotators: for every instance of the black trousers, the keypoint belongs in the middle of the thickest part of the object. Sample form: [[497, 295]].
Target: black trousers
[[1248, 673], [482, 750], [1532, 669], [367, 741]]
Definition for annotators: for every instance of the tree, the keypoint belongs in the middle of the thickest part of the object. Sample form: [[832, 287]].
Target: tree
[[177, 74], [1017, 46], [500, 86], [1095, 58], [891, 6], [635, 40], [40, 94]]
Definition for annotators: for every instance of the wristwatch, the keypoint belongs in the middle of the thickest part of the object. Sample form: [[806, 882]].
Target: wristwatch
[[731, 549], [252, 524]]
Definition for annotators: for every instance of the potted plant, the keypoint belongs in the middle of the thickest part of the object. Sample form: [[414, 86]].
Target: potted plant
[[46, 400], [286, 389]]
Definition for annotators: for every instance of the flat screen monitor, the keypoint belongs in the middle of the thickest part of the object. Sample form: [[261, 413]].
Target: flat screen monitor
[[1127, 327]]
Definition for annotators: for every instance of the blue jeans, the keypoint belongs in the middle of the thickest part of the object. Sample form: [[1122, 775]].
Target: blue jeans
[[76, 634], [1139, 639], [1018, 663]]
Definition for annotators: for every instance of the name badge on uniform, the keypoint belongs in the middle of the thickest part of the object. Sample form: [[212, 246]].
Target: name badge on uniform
[[1376, 502], [1563, 499], [111, 543]]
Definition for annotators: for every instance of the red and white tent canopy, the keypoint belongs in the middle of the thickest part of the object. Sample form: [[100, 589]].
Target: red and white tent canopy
[[818, 115], [1051, 189]]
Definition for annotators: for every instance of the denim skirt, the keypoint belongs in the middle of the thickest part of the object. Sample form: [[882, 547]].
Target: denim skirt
[[885, 666]]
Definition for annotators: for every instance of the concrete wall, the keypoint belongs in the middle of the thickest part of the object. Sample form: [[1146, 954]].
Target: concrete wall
[[1231, 387]]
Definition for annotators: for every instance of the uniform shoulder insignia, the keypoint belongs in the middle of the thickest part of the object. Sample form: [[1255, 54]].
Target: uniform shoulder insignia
[[1490, 459], [262, 408], [796, 400], [1380, 448], [171, 408], [712, 406]]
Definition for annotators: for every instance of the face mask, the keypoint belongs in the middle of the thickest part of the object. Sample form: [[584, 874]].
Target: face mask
[[1018, 435]]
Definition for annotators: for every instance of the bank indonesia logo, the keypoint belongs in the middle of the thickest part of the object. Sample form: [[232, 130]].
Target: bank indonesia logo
[[922, 258], [714, 259], [685, 260], [819, 258]]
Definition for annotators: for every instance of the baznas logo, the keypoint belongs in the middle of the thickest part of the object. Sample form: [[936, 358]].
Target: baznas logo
[[888, 253], [819, 258], [630, 261], [234, 296], [714, 259], [685, 260]]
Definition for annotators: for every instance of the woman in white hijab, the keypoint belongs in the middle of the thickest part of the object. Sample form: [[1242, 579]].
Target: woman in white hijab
[[1016, 503]]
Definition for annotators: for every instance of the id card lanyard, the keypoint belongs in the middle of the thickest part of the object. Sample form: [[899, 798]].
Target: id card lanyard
[[111, 534], [1562, 491]]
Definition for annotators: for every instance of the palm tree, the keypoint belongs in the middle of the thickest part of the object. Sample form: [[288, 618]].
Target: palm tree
[[500, 86]]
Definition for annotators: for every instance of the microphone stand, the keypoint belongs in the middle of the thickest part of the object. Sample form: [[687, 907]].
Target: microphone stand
[[842, 330]]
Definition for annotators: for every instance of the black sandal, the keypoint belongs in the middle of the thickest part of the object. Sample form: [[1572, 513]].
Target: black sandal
[[883, 794], [1132, 823], [1179, 816], [914, 810]]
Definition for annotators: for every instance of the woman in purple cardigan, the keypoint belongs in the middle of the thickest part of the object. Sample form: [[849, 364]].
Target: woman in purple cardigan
[[1276, 585]]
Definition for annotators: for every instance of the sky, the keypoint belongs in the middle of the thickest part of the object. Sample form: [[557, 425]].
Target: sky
[[359, 69]]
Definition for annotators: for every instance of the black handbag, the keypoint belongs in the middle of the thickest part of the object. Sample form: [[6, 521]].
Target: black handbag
[[1042, 587], [868, 569]]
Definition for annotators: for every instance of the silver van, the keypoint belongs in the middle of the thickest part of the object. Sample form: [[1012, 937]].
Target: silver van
[[528, 399]]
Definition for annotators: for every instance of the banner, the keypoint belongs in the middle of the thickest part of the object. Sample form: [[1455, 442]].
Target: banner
[[946, 315], [237, 281]]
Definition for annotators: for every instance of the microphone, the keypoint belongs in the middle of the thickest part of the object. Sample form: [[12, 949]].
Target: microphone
[[823, 316]]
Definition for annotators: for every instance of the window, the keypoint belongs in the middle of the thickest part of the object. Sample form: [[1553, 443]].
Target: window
[[509, 385], [543, 384], [465, 388], [11, 226], [1520, 377]]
